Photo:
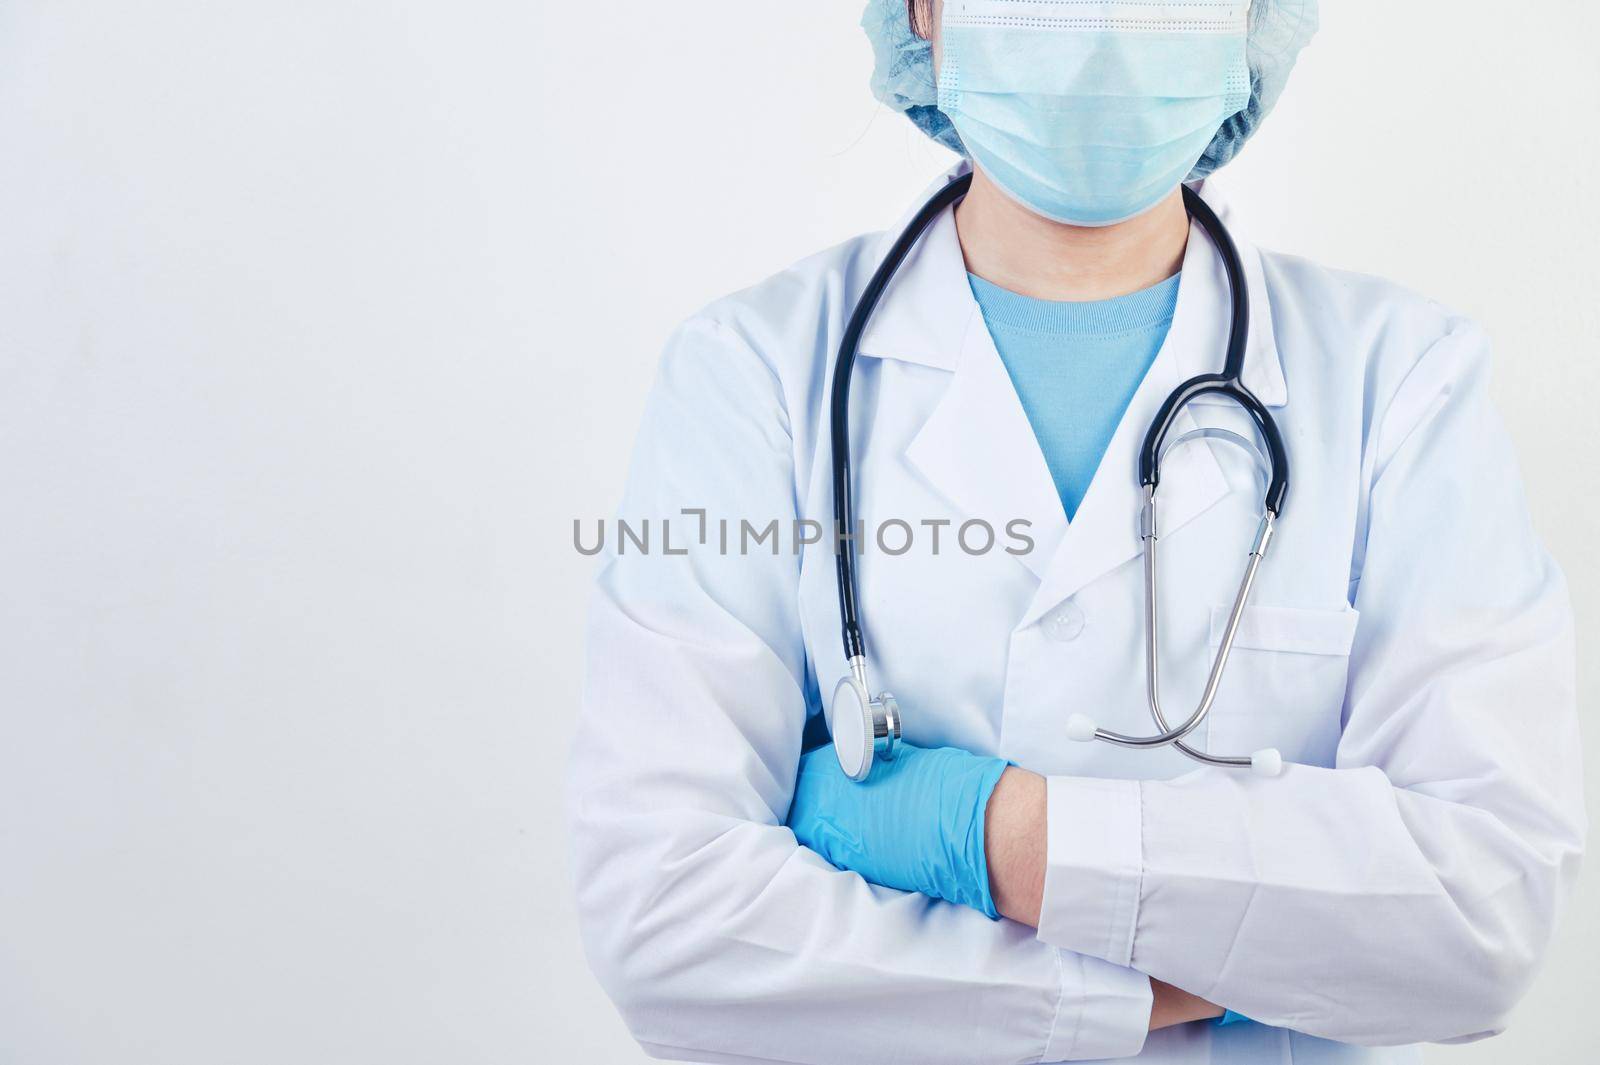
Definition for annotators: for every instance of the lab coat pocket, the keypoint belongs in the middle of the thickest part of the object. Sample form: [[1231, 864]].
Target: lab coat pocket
[[1285, 681]]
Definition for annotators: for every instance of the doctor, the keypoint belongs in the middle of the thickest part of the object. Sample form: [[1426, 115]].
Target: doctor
[[998, 892]]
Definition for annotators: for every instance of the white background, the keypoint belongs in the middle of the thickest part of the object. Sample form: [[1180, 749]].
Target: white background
[[320, 322]]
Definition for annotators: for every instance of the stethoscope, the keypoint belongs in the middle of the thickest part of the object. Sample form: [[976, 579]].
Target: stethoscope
[[866, 727]]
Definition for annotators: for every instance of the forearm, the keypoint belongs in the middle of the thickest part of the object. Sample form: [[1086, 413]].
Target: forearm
[[1015, 846], [1414, 918]]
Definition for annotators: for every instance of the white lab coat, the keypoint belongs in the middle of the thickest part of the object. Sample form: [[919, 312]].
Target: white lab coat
[[1409, 646]]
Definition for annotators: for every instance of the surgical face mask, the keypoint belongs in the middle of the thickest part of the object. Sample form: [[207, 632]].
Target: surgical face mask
[[1091, 113]]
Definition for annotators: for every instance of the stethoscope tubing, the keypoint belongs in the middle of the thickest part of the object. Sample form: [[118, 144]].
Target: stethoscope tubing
[[839, 407], [1229, 382]]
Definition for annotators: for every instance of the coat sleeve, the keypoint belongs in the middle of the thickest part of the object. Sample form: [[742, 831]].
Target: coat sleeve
[[1408, 893], [717, 936]]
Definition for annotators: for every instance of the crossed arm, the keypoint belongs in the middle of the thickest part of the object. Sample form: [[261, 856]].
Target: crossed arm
[[1417, 879]]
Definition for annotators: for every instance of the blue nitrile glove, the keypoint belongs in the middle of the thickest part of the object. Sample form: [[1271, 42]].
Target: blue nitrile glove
[[916, 823]]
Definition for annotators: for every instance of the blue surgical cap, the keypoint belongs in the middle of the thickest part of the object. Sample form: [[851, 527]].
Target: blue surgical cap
[[903, 76]]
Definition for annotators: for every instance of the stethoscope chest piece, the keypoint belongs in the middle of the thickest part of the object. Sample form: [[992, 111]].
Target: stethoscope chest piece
[[865, 730]]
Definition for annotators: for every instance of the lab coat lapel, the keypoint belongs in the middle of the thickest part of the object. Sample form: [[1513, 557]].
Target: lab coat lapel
[[976, 447], [979, 451]]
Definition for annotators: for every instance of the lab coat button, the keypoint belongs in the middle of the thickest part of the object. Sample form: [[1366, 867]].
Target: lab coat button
[[1064, 623]]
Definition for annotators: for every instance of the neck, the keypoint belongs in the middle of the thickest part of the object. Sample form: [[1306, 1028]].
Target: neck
[[1010, 246]]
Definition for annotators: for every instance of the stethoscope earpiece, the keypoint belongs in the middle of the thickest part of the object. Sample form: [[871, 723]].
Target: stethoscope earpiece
[[1081, 728], [1267, 762]]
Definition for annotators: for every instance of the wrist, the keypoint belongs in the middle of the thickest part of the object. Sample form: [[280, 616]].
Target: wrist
[[1172, 1005], [1014, 844]]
